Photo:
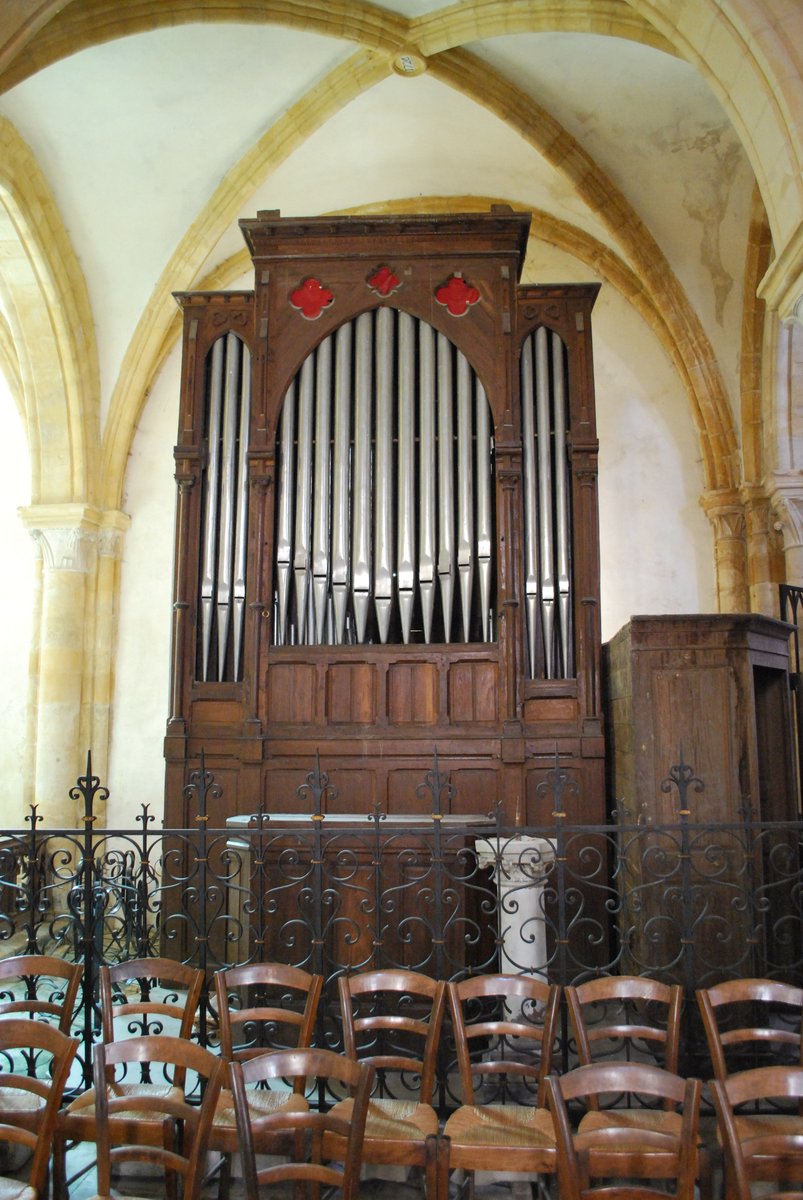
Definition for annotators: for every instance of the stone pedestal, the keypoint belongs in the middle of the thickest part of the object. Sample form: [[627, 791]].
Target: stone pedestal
[[521, 866]]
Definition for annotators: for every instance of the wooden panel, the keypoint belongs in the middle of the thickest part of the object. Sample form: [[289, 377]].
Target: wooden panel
[[478, 789], [216, 712], [694, 709], [291, 693], [413, 693], [351, 694], [403, 794], [353, 789], [473, 692]]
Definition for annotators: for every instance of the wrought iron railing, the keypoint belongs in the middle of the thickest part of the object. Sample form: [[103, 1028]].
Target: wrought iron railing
[[447, 895]]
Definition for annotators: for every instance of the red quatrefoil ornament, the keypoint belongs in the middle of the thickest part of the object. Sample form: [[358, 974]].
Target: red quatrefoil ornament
[[311, 298], [384, 281], [457, 296]]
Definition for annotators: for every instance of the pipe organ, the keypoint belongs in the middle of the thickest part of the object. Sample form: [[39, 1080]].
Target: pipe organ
[[386, 525]]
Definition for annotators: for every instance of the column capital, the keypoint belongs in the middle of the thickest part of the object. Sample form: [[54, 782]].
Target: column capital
[[785, 490], [69, 535], [725, 511]]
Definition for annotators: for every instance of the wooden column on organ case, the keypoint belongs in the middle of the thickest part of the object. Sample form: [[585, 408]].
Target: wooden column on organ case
[[387, 537]]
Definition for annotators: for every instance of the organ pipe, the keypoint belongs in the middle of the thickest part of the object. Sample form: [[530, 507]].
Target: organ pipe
[[225, 511], [340, 489], [383, 476], [547, 506], [394, 425], [427, 477]]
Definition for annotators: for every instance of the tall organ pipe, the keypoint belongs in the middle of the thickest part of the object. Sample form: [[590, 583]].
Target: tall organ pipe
[[426, 476], [465, 491], [385, 483], [484, 538], [383, 473], [545, 497], [361, 494], [446, 547], [340, 483], [321, 498], [303, 552], [228, 498], [241, 527], [405, 511], [209, 562], [562, 497], [530, 503], [284, 524]]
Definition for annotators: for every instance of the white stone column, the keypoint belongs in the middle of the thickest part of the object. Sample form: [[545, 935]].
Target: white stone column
[[521, 866], [66, 536]]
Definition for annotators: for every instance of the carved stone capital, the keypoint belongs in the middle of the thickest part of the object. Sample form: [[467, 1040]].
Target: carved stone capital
[[66, 534], [785, 491], [111, 535], [725, 511]]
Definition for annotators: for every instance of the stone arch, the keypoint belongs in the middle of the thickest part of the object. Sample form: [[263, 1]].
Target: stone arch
[[49, 326]]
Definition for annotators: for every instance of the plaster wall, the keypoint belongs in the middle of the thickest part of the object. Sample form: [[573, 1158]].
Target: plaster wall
[[16, 605]]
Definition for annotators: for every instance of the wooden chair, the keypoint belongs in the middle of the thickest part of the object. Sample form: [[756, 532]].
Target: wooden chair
[[504, 1028], [630, 1018], [626, 1018], [261, 1007], [164, 1000], [318, 1148], [35, 1062], [42, 986], [752, 1023], [161, 1128], [620, 1153], [765, 1148], [392, 1020], [45, 988]]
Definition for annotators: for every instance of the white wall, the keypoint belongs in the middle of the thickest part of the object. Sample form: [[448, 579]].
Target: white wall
[[16, 602], [139, 713]]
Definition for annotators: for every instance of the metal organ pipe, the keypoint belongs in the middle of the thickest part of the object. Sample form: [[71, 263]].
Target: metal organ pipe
[[446, 552], [340, 484], [562, 530], [383, 477], [402, 441], [361, 492], [426, 476], [530, 503], [547, 506], [405, 511], [321, 499], [225, 511], [303, 551], [465, 491], [212, 489]]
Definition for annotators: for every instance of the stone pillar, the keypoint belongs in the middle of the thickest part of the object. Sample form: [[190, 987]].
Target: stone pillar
[[786, 499], [97, 712], [521, 866], [725, 511], [66, 535], [763, 570]]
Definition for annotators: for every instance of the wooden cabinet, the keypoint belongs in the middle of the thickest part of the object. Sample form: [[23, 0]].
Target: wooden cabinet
[[711, 691], [509, 675]]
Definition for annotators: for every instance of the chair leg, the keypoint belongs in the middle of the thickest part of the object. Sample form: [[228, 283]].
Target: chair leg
[[441, 1191], [224, 1177], [59, 1172]]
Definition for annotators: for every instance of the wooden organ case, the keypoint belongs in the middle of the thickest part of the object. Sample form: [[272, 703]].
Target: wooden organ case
[[387, 534]]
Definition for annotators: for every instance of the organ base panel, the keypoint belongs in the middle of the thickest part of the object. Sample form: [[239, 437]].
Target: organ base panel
[[386, 537]]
